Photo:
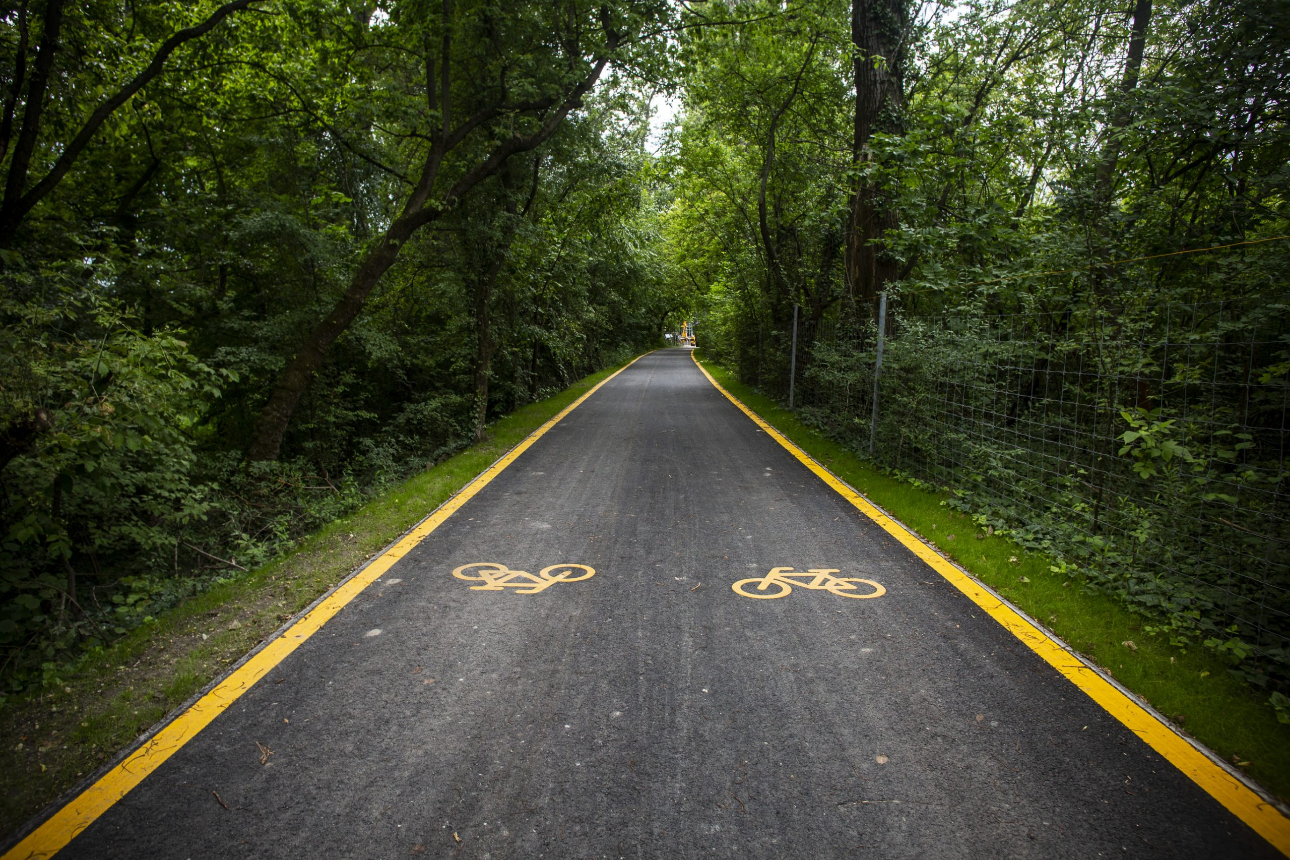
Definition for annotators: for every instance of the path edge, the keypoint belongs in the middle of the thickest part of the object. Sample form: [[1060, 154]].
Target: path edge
[[50, 830], [1237, 793]]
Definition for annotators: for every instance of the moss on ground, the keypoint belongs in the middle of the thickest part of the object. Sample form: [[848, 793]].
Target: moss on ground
[[1190, 686], [56, 735]]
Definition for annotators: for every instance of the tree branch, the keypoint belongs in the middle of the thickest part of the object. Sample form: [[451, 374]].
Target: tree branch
[[16, 204], [427, 213], [214, 557], [19, 75], [35, 106], [772, 254]]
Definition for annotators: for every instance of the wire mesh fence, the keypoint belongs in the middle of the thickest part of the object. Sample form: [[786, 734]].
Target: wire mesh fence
[[1144, 445]]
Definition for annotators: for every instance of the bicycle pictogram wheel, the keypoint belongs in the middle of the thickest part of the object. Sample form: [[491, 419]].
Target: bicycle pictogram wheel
[[551, 573], [845, 588], [768, 590], [489, 571]]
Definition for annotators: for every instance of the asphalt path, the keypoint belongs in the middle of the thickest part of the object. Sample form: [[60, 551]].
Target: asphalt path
[[651, 711]]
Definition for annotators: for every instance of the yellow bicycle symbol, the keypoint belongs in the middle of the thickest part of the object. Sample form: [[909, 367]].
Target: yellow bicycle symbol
[[782, 579], [497, 577]]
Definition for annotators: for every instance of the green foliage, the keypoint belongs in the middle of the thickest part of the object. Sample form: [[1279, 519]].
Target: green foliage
[[114, 472], [1056, 351], [1174, 509], [207, 231], [1151, 439], [153, 298], [768, 95], [122, 689]]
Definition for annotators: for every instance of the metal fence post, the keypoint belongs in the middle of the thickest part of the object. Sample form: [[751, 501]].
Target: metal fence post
[[792, 362], [877, 367]]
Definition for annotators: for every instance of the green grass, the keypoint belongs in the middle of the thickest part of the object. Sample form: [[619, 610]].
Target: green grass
[[56, 735], [1192, 687]]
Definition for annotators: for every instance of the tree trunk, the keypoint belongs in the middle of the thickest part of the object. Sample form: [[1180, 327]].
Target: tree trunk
[[1036, 173], [484, 350], [484, 293], [18, 200], [1123, 113], [877, 34], [30, 129], [763, 224], [418, 212], [768, 160], [662, 321], [272, 426], [16, 80], [1100, 279], [21, 435], [56, 514]]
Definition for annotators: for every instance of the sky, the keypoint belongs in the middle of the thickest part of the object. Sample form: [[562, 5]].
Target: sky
[[663, 111]]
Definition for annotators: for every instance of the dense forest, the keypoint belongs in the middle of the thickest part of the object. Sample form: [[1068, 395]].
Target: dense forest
[[262, 259]]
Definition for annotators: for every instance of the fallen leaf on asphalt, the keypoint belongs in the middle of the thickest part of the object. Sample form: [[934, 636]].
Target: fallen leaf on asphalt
[[980, 718], [882, 759], [265, 752], [455, 836]]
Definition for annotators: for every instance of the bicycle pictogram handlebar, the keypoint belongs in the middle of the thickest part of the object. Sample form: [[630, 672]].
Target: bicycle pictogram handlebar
[[496, 577], [782, 580]]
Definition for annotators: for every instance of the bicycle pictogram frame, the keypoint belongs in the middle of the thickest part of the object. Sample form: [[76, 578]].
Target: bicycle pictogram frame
[[498, 577], [783, 579]]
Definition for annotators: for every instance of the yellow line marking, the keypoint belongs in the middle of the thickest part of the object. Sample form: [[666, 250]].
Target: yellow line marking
[[1242, 801], [817, 579], [82, 811], [497, 577]]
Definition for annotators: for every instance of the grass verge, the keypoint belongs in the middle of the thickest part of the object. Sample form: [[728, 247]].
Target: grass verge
[[57, 735], [1192, 686]]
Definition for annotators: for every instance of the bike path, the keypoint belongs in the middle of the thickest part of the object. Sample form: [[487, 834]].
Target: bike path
[[651, 711]]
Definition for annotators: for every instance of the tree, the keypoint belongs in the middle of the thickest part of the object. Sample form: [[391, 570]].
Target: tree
[[29, 88], [512, 77], [879, 37], [759, 154], [157, 292]]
